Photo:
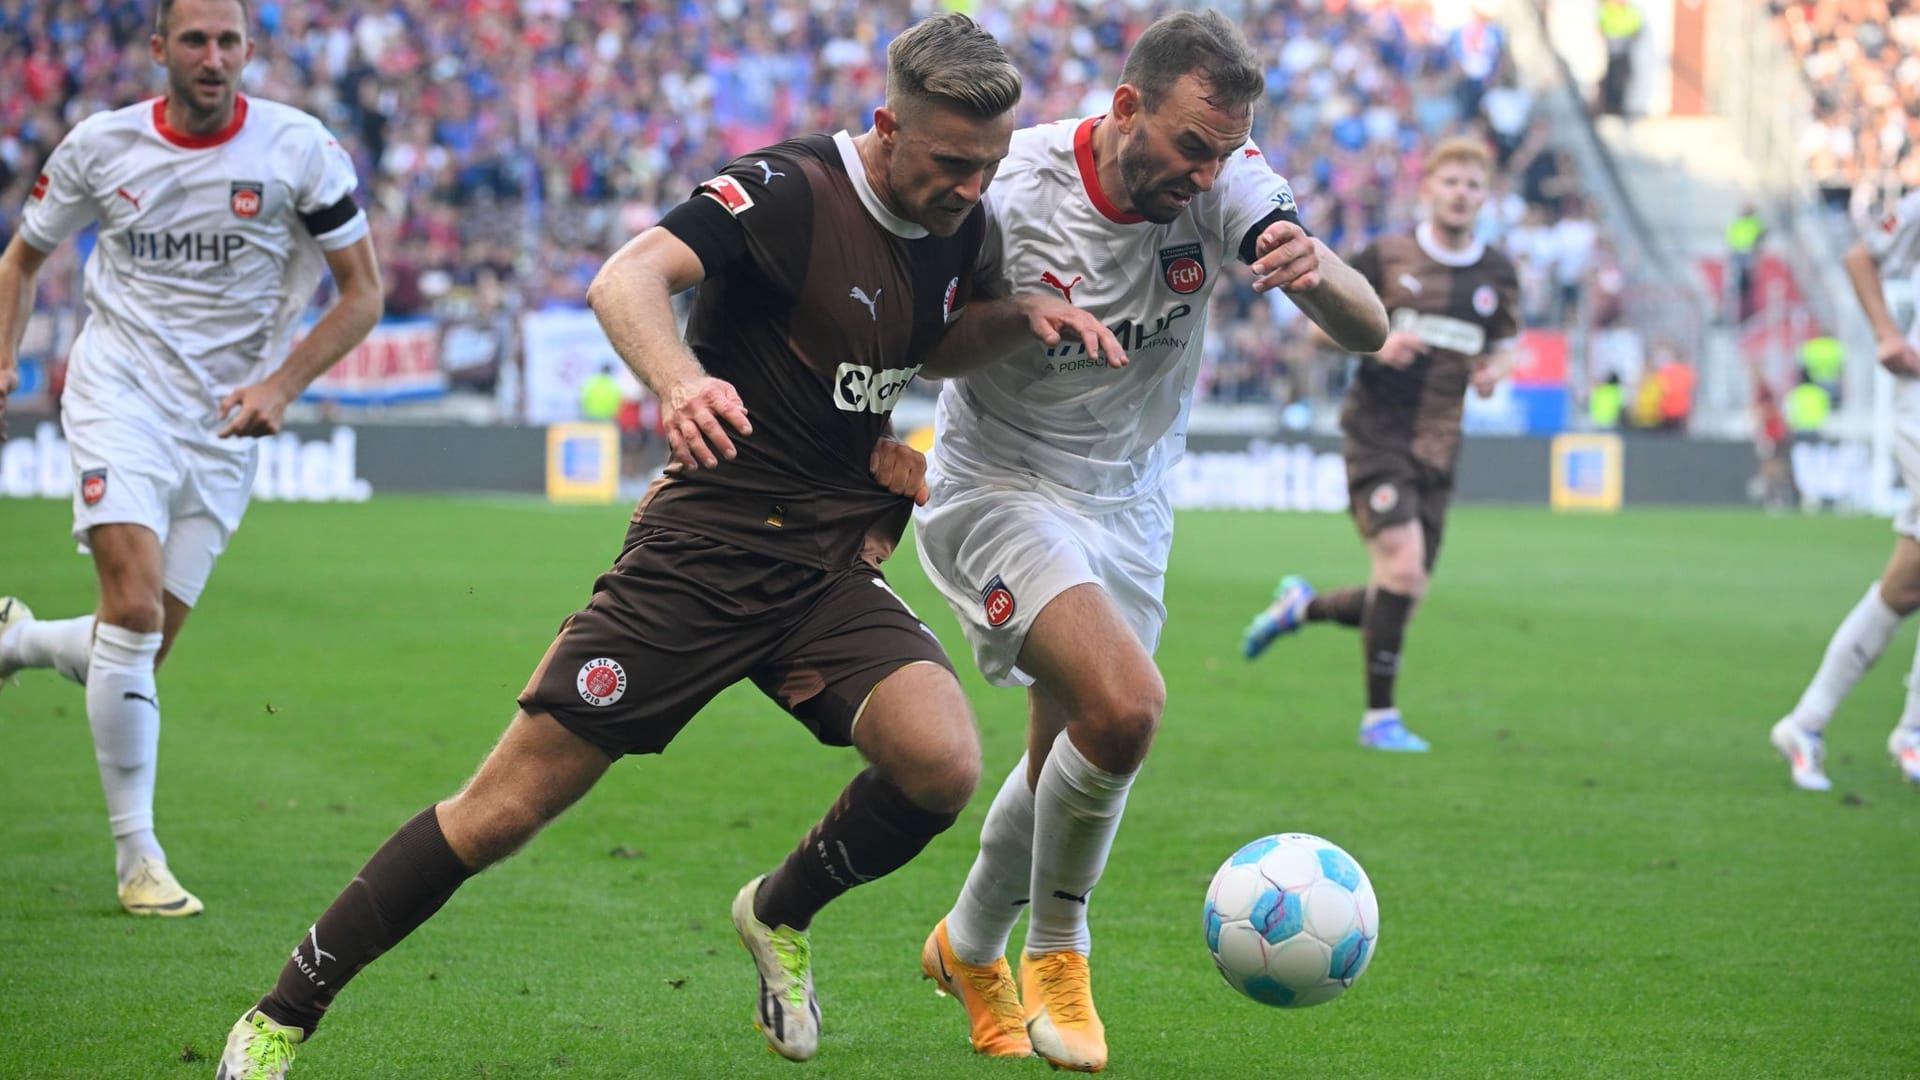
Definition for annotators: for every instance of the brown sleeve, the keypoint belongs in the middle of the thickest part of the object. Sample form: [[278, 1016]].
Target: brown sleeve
[[1505, 324], [769, 194]]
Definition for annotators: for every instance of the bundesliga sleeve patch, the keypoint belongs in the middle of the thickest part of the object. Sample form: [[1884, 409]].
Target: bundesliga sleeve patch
[[601, 682], [93, 486], [728, 192]]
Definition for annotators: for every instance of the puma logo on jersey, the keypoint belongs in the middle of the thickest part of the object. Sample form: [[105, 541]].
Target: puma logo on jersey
[[872, 302], [768, 172], [1051, 279], [123, 193]]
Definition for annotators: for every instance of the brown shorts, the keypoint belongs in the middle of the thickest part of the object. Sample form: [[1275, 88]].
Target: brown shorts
[[1386, 488], [681, 617]]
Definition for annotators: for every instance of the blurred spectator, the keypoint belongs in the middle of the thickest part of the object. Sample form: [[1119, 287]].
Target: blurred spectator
[[1772, 485], [1574, 239], [1604, 403], [1620, 25], [1744, 234], [1808, 406], [1677, 379], [600, 395], [1861, 59], [1825, 360]]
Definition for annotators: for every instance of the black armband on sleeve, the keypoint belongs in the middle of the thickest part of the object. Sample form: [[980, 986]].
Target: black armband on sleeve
[[1249, 244], [704, 225], [321, 222]]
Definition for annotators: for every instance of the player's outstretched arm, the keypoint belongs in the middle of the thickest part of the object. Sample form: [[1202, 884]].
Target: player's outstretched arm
[[631, 297], [1490, 367], [260, 409], [1334, 295], [1897, 354], [19, 270], [989, 331]]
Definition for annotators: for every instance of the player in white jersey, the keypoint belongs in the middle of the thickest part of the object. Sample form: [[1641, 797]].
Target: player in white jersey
[[1888, 255], [217, 215], [1048, 526]]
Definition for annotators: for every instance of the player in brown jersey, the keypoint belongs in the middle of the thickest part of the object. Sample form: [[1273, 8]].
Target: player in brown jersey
[[1454, 305], [828, 266]]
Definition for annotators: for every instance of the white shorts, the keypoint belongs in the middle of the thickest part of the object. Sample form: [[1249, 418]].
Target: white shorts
[[1906, 453], [1001, 553], [129, 467]]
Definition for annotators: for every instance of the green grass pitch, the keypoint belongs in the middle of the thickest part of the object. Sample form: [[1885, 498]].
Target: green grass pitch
[[1601, 871]]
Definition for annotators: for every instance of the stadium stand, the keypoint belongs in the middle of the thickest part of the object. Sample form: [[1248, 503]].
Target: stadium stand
[[505, 148]]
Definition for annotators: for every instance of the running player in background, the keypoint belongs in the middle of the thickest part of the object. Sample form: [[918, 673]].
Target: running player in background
[[1455, 305], [217, 214], [1889, 251], [827, 267], [1048, 527]]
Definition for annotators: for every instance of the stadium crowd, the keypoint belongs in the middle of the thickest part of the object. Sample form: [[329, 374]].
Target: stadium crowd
[[1862, 63], [506, 146]]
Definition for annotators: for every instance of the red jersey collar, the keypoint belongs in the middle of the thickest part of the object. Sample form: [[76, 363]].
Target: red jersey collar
[[200, 142], [1090, 175]]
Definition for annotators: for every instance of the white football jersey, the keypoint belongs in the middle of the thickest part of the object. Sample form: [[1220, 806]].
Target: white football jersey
[[1894, 241], [209, 248], [1102, 437]]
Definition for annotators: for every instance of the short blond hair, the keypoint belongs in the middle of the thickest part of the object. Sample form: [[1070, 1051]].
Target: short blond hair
[[1461, 150], [949, 60]]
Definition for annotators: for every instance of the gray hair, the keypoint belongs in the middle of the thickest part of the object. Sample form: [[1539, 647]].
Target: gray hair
[[949, 60], [1203, 44]]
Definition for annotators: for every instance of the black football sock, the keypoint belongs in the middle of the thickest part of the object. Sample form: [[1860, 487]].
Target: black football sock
[[404, 883], [1382, 629], [872, 830], [1343, 606]]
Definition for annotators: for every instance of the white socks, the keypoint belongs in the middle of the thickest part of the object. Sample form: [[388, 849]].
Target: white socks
[[61, 644], [1076, 812], [982, 918], [123, 709], [1910, 716], [1862, 637]]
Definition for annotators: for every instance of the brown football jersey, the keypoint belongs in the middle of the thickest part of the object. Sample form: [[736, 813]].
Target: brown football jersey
[[1462, 305], [819, 305]]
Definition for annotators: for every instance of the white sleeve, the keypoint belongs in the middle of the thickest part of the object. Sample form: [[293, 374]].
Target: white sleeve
[[991, 278], [323, 194], [62, 200], [1252, 192], [1894, 239]]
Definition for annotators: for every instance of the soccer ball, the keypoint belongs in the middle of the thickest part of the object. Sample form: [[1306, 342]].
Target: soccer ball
[[1291, 920]]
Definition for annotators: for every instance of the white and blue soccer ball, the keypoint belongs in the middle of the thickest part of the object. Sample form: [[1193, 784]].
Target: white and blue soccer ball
[[1291, 920]]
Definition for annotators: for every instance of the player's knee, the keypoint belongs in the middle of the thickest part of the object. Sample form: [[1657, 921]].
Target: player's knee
[[1903, 597], [943, 774], [1409, 579], [131, 612], [1121, 719]]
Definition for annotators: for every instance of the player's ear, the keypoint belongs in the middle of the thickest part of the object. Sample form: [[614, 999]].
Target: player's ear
[[158, 47], [887, 124], [1126, 107]]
